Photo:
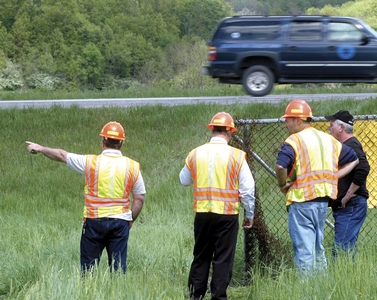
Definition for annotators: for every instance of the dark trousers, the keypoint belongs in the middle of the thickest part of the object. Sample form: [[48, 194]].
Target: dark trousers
[[101, 233], [215, 242]]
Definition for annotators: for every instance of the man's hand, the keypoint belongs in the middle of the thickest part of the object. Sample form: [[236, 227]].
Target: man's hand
[[59, 155], [346, 198], [284, 189], [247, 223], [33, 147], [130, 223]]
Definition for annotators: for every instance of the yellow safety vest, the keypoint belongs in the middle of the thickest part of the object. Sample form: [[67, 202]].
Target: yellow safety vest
[[108, 183], [215, 169], [315, 172]]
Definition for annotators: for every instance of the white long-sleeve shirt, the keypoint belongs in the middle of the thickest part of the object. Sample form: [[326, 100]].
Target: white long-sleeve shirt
[[246, 183], [77, 162]]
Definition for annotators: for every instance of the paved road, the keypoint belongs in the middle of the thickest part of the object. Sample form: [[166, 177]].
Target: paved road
[[128, 102]]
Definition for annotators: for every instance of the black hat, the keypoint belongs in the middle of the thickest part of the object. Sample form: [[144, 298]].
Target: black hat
[[342, 115]]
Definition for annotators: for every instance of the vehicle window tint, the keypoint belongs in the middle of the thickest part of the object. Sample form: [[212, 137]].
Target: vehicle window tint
[[343, 32], [305, 31], [249, 31]]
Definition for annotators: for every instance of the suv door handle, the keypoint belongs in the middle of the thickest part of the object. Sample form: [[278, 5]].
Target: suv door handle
[[293, 47], [331, 47]]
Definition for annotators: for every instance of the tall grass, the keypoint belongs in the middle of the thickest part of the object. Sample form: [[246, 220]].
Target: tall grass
[[165, 90], [41, 210]]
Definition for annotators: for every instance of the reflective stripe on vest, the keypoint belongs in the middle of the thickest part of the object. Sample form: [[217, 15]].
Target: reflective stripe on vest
[[316, 166], [215, 168], [108, 183]]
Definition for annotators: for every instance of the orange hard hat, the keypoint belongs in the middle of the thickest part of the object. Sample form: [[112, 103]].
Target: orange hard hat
[[298, 109], [222, 119], [113, 130]]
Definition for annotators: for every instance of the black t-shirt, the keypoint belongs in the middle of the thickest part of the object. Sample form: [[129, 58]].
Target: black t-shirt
[[358, 175]]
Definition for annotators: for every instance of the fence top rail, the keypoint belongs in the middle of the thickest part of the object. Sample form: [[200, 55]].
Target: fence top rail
[[281, 120]]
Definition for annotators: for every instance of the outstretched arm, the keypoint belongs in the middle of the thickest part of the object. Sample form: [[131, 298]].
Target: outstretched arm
[[53, 154]]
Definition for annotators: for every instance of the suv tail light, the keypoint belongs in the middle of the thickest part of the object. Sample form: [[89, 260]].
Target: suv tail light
[[212, 53]]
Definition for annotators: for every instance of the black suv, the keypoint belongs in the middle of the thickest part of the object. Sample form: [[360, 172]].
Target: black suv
[[258, 51]]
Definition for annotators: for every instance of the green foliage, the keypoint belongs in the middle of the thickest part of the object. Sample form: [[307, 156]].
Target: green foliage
[[89, 44], [195, 17], [280, 7], [42, 82], [8, 12], [362, 9], [91, 65], [3, 60], [247, 7], [6, 43], [10, 77]]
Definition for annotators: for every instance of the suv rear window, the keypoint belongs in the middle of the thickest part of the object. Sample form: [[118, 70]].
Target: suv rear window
[[248, 30], [305, 31]]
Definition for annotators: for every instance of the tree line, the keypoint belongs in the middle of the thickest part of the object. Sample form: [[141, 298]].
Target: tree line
[[280, 7], [96, 43]]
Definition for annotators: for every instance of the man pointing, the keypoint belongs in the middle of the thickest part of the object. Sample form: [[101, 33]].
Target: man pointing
[[109, 209]]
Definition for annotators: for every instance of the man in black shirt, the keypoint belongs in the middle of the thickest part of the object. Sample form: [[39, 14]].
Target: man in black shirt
[[350, 207]]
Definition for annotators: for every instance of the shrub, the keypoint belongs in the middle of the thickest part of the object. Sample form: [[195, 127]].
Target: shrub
[[42, 81], [10, 77]]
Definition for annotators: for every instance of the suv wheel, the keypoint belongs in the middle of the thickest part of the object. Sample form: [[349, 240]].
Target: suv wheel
[[258, 81]]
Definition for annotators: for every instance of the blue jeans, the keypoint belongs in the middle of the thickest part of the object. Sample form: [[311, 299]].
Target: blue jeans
[[306, 224], [348, 222], [101, 233]]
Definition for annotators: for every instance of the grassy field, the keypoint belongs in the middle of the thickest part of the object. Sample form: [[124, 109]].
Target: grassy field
[[41, 209]]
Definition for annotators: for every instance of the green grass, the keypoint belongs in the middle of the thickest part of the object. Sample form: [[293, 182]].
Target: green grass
[[41, 210]]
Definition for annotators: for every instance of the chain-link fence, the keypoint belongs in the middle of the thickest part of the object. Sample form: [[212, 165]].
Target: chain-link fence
[[261, 140]]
